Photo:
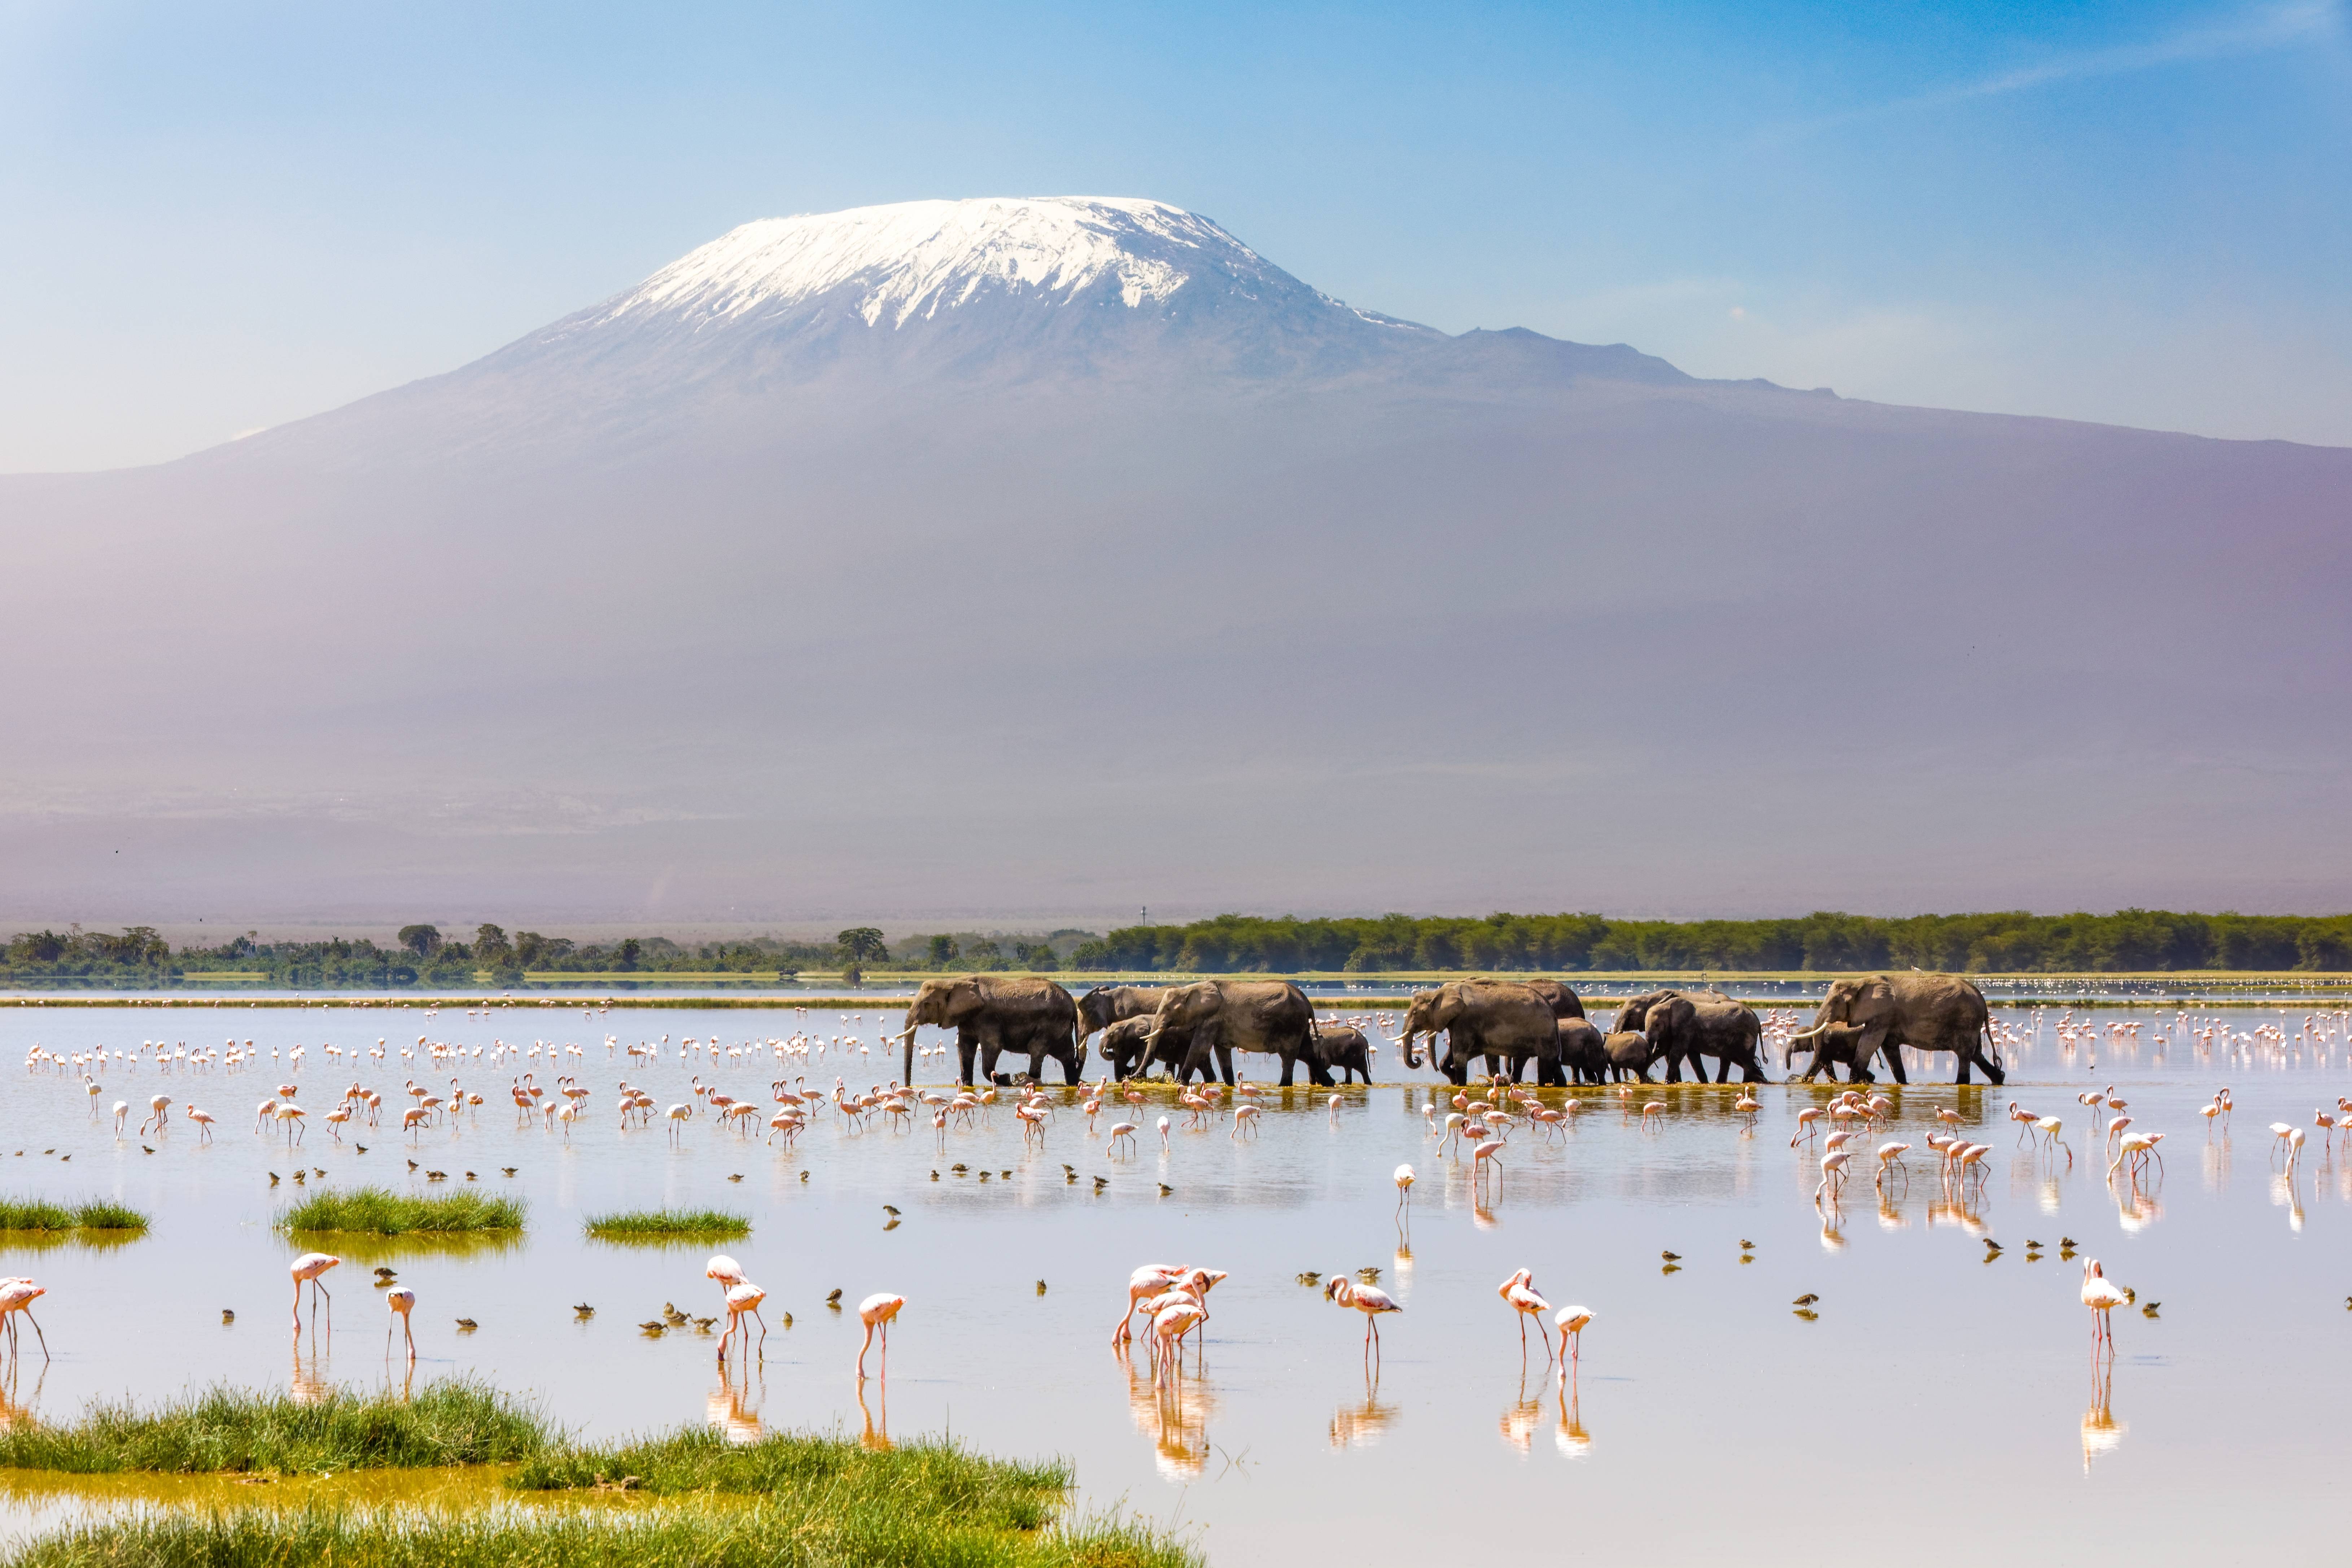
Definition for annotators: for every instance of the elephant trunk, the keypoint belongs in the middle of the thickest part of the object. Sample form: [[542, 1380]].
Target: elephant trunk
[[1412, 1060]]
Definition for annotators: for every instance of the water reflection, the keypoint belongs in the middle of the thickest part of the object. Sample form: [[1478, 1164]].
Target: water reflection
[[876, 1436], [1361, 1426], [1174, 1413], [2101, 1433], [734, 1413], [1569, 1437], [1519, 1422]]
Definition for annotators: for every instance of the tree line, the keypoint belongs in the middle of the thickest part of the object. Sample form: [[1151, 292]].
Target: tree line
[[2009, 942], [2012, 943]]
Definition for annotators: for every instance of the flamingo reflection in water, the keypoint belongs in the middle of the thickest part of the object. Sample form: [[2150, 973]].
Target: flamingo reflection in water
[[1361, 1426], [875, 1438], [732, 1412], [1569, 1437], [1174, 1412], [1518, 1423], [2101, 1431]]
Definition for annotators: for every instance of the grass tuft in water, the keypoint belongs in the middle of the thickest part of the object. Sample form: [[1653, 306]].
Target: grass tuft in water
[[779, 1534], [223, 1429], [669, 1225], [39, 1215], [377, 1211]]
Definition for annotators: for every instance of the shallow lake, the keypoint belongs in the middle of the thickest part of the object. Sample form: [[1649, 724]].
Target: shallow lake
[[1942, 1402]]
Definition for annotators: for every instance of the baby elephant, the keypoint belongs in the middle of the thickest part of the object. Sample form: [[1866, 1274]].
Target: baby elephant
[[1123, 1045], [1831, 1046], [1629, 1054], [1343, 1048], [1581, 1055]]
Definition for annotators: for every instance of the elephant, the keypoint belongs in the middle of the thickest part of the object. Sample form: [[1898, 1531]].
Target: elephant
[[991, 1013], [1926, 1012], [1632, 1014], [1495, 1020], [1629, 1054], [1563, 1002], [1581, 1056], [1688, 1025], [1832, 1045], [1228, 1016], [1343, 1048], [1127, 1046], [1106, 1004]]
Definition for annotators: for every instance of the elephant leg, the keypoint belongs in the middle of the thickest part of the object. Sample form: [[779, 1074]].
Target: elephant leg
[[1723, 1069], [1965, 1056], [965, 1046]]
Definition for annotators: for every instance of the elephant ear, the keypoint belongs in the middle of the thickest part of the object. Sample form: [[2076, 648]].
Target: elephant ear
[[1873, 998]]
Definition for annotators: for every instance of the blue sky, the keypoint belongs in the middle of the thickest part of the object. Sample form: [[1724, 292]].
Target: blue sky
[[221, 217]]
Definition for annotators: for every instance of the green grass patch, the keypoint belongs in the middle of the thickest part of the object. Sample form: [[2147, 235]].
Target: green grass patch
[[379, 1211], [669, 1225], [51, 1218], [873, 1533], [229, 1430], [98, 1214]]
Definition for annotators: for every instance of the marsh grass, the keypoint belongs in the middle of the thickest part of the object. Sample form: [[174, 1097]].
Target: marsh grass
[[39, 1215], [669, 1225], [764, 1534], [378, 1211], [458, 1422]]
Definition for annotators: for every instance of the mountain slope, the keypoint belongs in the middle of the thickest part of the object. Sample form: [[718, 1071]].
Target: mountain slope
[[1060, 556]]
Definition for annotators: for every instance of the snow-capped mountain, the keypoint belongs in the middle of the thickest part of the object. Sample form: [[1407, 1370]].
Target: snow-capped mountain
[[916, 260], [1059, 554]]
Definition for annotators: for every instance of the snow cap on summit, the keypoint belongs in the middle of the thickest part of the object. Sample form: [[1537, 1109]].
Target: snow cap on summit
[[914, 259]]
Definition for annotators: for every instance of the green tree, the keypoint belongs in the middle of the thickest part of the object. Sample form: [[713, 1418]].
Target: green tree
[[422, 941], [944, 950], [862, 944]]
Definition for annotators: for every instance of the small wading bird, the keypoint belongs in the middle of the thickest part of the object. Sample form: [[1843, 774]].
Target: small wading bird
[[875, 1312]]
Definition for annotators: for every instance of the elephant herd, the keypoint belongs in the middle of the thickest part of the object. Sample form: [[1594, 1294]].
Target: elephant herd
[[1195, 1029]]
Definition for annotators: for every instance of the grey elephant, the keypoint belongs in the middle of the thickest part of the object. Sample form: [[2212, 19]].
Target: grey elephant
[[1103, 1005], [992, 1013], [1687, 1025], [1926, 1012], [1581, 1056], [1628, 1053], [1341, 1049], [1832, 1047], [1500, 1020], [1222, 1016], [1127, 1045], [1563, 1002]]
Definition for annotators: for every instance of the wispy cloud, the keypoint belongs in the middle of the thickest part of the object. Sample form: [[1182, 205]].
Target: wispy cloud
[[2285, 26]]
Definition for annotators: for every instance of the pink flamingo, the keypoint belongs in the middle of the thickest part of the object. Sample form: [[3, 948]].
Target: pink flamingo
[[402, 1301], [875, 1312], [307, 1269], [2101, 1296], [203, 1120], [1518, 1292], [17, 1296], [1369, 1299], [743, 1297], [1570, 1320]]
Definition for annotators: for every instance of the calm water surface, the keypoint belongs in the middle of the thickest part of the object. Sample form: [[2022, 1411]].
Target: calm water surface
[[1942, 1403]]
